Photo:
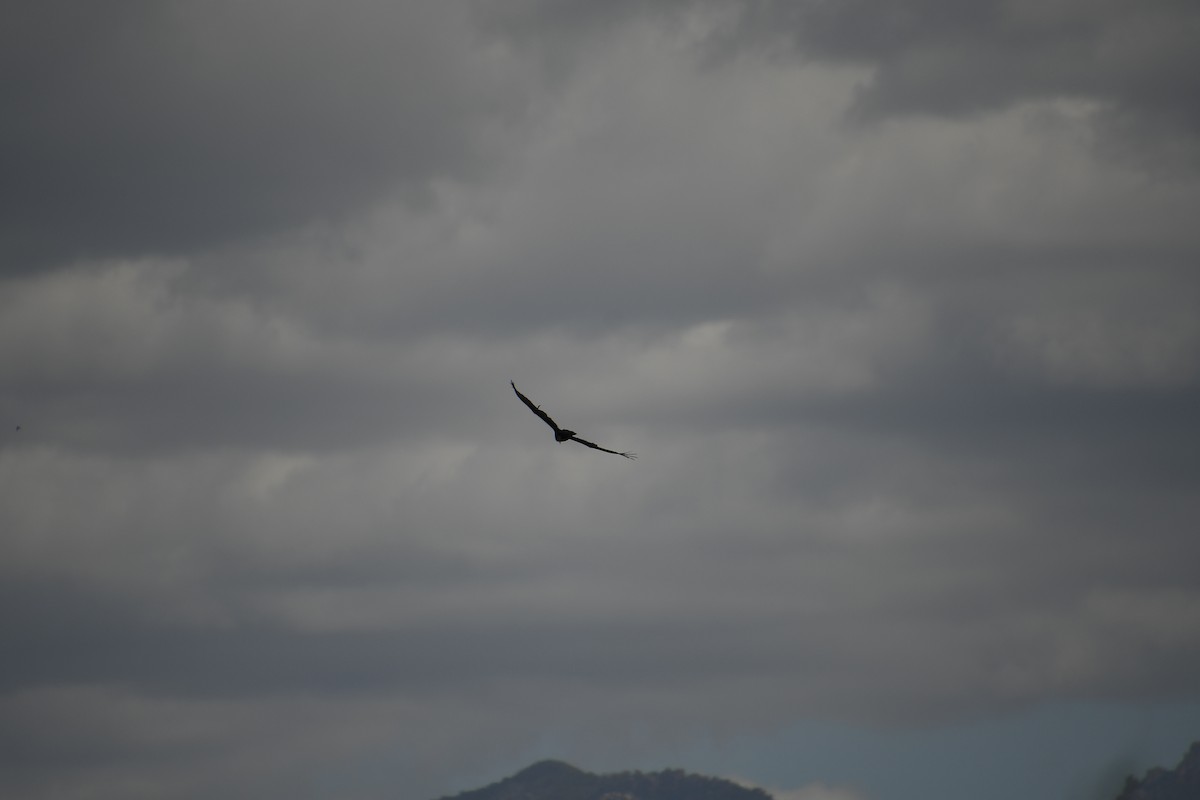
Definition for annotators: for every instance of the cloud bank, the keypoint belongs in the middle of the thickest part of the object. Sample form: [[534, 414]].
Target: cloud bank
[[897, 309]]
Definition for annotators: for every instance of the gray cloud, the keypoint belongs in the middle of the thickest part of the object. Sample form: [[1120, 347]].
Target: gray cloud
[[913, 399], [144, 129], [1133, 63], [939, 57]]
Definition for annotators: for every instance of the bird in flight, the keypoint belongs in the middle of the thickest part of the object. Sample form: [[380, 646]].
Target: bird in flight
[[562, 434]]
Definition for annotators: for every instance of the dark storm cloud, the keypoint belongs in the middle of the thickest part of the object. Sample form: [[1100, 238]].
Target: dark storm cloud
[[1136, 61], [914, 398], [935, 56], [142, 127], [252, 658]]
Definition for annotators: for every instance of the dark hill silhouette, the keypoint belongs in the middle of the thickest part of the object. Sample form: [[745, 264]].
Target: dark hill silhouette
[[555, 780], [1181, 783]]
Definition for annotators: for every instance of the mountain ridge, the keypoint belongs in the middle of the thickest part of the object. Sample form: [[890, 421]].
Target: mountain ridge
[[558, 780], [552, 779], [1181, 783]]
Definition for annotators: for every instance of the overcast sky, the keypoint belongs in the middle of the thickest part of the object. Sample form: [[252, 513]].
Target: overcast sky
[[897, 304]]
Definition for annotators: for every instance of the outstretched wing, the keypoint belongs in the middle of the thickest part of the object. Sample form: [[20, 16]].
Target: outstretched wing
[[545, 417], [595, 446]]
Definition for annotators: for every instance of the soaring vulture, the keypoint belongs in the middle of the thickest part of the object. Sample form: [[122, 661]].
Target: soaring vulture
[[562, 434]]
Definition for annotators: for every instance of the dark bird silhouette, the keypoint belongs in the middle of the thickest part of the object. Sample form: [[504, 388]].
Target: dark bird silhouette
[[562, 434]]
